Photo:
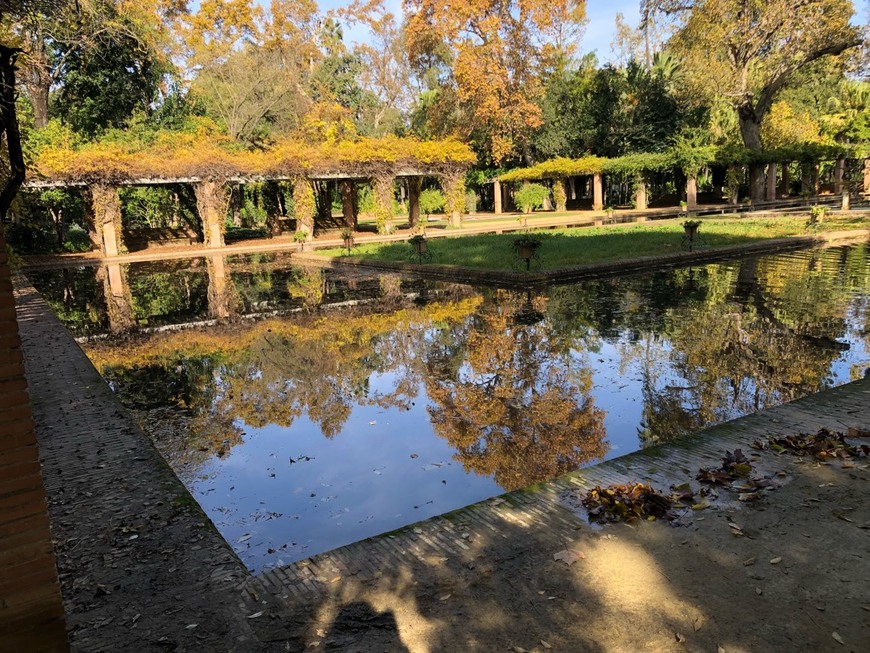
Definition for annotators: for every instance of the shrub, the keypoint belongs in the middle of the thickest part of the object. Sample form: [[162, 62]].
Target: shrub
[[531, 196], [431, 201], [471, 200]]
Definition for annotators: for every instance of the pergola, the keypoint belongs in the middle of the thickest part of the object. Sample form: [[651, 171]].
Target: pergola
[[210, 168]]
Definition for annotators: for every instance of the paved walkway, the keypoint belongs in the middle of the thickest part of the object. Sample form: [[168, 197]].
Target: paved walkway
[[143, 569]]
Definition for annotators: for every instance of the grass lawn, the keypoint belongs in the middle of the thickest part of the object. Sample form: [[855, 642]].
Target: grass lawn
[[566, 247]]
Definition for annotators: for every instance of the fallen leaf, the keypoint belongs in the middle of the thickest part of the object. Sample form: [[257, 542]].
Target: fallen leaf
[[758, 591], [749, 562], [255, 615], [719, 649], [520, 649], [545, 645], [680, 637], [569, 556], [734, 526], [696, 625], [445, 597], [776, 560], [837, 637], [190, 626], [703, 505]]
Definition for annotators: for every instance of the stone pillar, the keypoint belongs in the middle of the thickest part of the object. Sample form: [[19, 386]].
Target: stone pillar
[[815, 177], [839, 169], [305, 206], [382, 187], [31, 611], [106, 206], [222, 297], [845, 199], [572, 188], [415, 184], [806, 178], [496, 196], [597, 192], [771, 182], [640, 198], [560, 197], [866, 178], [453, 187], [211, 204], [691, 192], [349, 212], [119, 299], [785, 183]]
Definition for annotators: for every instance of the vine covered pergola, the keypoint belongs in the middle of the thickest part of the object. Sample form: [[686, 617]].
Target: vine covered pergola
[[211, 163], [688, 162]]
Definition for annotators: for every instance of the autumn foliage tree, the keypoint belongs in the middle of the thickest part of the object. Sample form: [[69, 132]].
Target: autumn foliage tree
[[499, 49]]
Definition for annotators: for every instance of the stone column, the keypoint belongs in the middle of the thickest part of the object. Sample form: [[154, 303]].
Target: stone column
[[640, 197], [31, 611], [839, 169], [222, 297], [305, 205], [691, 192], [866, 177], [806, 178], [382, 187], [211, 204], [119, 299], [572, 188], [106, 207], [784, 189], [496, 195], [597, 192], [415, 184], [560, 197], [453, 187], [349, 211], [771, 182]]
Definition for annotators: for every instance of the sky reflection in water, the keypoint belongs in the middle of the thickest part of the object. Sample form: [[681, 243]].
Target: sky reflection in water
[[372, 402]]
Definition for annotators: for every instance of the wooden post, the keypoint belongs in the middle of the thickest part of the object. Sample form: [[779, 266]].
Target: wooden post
[[771, 182], [496, 195], [597, 192], [839, 169], [211, 204], [415, 184], [640, 198], [106, 207], [691, 192]]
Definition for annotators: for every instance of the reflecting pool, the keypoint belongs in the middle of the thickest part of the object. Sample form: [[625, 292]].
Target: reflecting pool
[[310, 408]]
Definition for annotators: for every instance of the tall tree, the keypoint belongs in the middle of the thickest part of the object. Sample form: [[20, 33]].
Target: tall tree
[[747, 50], [499, 49]]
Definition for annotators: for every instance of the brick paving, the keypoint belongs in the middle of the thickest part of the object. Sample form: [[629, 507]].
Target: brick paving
[[139, 563]]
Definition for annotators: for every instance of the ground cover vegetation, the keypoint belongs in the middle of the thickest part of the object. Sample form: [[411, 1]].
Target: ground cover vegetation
[[107, 89], [585, 245]]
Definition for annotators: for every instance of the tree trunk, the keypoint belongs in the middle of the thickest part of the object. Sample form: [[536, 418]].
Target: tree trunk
[[750, 130], [348, 203], [211, 206], [9, 127], [414, 185], [107, 216]]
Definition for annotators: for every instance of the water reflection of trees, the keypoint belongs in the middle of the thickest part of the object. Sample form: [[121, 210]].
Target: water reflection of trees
[[510, 399]]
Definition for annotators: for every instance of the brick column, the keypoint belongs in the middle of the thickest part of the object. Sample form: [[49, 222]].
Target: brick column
[[496, 196], [31, 611]]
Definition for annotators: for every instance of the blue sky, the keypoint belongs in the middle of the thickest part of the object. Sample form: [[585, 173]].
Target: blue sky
[[599, 29]]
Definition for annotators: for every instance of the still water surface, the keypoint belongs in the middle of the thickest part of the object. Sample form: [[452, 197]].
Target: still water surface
[[307, 409]]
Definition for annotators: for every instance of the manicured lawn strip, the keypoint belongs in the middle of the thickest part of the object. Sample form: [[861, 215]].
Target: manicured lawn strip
[[578, 246]]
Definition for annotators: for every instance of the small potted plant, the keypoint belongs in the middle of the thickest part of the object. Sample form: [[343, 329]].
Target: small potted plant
[[691, 228], [300, 237], [526, 246], [419, 243], [608, 210], [347, 239], [684, 207]]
